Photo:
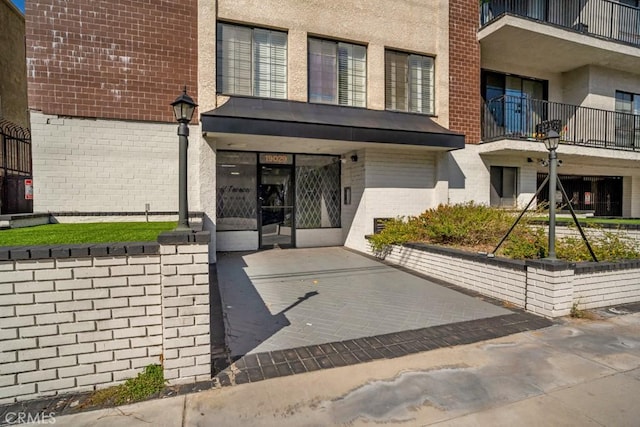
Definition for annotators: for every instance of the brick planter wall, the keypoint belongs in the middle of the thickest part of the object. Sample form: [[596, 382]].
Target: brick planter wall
[[497, 278], [627, 231], [83, 317], [547, 288]]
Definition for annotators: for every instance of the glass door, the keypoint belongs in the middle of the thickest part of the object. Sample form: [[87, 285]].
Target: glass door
[[275, 192], [524, 106], [514, 106]]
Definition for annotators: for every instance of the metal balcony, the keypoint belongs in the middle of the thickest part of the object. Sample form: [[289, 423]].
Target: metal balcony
[[510, 117], [600, 18]]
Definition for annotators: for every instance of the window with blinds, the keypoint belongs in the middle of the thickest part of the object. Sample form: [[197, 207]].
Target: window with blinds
[[409, 82], [251, 61], [337, 73]]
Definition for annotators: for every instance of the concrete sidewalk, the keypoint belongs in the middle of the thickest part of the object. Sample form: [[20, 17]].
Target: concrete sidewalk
[[580, 372]]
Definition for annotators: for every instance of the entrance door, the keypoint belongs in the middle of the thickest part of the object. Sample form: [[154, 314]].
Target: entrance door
[[276, 206]]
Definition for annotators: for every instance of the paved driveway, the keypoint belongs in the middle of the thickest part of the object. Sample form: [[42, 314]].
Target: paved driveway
[[286, 298]]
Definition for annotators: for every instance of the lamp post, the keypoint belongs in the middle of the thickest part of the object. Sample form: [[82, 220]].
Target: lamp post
[[551, 141], [183, 108]]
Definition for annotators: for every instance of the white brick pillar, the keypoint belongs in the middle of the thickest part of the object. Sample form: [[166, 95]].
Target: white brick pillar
[[549, 289], [184, 264]]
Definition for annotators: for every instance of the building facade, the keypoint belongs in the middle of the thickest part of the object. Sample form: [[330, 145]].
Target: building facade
[[15, 149], [575, 64], [311, 123], [317, 118], [13, 85]]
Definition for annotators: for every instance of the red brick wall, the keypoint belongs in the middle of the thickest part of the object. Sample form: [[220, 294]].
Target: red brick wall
[[114, 59], [464, 69]]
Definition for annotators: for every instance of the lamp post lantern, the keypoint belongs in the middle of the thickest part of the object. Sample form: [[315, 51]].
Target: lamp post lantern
[[551, 141], [183, 108]]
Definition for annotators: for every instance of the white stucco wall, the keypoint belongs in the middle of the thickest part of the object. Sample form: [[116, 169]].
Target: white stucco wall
[[358, 22], [470, 175], [576, 86], [634, 196], [603, 84]]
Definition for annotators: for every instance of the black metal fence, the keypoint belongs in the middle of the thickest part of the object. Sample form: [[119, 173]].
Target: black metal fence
[[602, 18], [15, 168], [600, 195], [516, 118]]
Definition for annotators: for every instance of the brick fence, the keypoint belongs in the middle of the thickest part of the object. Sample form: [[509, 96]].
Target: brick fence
[[82, 317], [548, 288]]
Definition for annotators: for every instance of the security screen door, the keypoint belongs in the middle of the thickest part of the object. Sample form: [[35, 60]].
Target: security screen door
[[276, 206]]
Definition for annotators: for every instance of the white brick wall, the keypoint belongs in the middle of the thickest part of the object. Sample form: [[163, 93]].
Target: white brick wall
[[634, 199], [352, 215], [549, 293], [547, 289], [386, 183], [61, 325], [78, 324], [563, 231], [491, 280], [601, 289], [185, 312], [103, 165]]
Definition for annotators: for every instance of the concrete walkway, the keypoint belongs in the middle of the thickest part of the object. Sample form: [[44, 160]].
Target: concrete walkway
[[582, 373], [281, 299]]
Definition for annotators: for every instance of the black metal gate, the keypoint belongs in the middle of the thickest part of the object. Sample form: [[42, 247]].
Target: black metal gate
[[15, 169], [600, 195]]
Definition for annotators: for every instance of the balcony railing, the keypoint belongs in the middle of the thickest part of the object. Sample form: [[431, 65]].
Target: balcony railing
[[601, 18], [516, 118]]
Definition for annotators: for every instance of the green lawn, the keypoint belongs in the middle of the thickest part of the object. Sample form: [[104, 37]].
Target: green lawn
[[100, 232]]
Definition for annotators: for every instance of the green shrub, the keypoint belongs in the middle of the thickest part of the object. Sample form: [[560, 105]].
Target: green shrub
[[467, 224], [607, 246], [479, 228], [396, 232], [145, 385], [525, 243]]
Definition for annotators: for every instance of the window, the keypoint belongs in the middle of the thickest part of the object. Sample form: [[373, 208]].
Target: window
[[251, 61], [317, 191], [516, 104], [337, 73], [504, 186], [627, 119], [236, 191], [409, 82]]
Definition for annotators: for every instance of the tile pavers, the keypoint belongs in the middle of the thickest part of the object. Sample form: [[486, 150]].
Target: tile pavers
[[388, 346], [281, 299], [295, 311]]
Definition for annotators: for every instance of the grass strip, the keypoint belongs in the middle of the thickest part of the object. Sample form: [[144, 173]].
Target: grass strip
[[96, 232]]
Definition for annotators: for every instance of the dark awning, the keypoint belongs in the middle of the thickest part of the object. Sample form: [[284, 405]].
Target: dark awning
[[330, 122]]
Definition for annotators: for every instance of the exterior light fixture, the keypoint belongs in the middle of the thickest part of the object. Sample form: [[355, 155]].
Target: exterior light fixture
[[551, 142], [183, 108]]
